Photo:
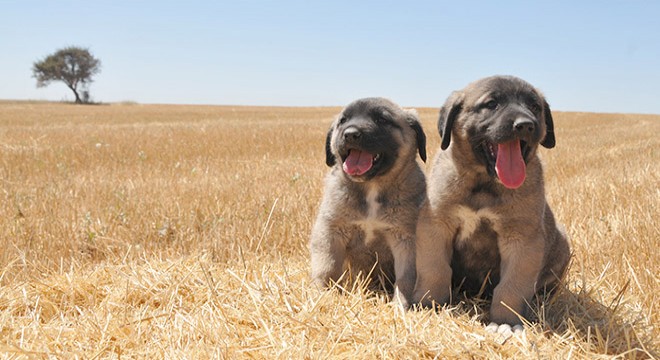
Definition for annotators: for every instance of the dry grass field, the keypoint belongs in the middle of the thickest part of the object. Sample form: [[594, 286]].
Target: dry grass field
[[180, 232]]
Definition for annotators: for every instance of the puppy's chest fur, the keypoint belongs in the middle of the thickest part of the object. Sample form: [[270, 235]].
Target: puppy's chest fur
[[476, 259], [372, 219]]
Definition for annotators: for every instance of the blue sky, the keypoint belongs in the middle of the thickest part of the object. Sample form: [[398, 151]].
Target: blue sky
[[601, 56]]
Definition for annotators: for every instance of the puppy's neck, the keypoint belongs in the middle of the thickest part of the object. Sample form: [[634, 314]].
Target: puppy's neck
[[372, 192]]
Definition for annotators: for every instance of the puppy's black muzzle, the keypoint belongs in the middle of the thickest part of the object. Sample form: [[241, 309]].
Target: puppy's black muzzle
[[368, 141], [514, 125], [525, 129], [352, 135]]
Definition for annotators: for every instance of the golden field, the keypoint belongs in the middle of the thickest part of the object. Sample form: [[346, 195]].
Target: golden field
[[180, 232]]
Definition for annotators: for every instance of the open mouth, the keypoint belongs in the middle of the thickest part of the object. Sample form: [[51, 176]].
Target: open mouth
[[359, 162], [490, 150], [507, 161]]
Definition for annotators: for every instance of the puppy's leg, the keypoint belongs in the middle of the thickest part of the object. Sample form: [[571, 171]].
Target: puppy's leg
[[558, 254], [521, 263], [403, 251], [433, 258], [328, 252]]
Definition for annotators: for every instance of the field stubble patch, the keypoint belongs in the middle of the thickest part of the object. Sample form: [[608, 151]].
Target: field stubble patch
[[181, 231]]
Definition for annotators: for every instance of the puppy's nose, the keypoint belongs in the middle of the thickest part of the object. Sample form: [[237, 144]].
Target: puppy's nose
[[352, 134], [524, 126]]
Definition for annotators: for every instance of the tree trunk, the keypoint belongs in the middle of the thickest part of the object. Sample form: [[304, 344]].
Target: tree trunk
[[75, 92], [78, 100]]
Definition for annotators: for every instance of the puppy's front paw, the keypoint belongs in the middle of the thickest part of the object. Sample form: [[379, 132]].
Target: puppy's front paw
[[427, 300], [504, 332], [504, 329], [400, 300]]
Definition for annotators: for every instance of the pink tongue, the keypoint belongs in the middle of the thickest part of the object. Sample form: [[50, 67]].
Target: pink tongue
[[510, 166], [358, 162]]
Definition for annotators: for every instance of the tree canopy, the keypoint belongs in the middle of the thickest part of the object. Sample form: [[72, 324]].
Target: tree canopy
[[74, 66]]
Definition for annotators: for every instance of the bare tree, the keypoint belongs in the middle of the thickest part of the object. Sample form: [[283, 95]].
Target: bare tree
[[74, 66]]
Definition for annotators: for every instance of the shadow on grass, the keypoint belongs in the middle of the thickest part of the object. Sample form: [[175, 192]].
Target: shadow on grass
[[612, 329]]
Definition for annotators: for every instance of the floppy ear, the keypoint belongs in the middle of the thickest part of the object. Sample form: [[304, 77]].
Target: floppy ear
[[413, 121], [329, 156], [549, 140], [448, 114]]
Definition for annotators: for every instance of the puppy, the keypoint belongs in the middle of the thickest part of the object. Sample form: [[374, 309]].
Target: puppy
[[487, 226], [372, 195]]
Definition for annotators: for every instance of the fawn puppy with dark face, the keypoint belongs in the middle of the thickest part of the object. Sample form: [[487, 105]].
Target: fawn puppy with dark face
[[487, 227], [367, 219]]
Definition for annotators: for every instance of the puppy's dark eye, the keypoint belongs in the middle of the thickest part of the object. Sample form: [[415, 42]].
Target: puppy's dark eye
[[384, 117], [491, 105], [383, 120], [534, 107], [342, 120]]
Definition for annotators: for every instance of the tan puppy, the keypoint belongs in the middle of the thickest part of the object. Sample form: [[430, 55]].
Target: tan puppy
[[372, 197], [487, 225]]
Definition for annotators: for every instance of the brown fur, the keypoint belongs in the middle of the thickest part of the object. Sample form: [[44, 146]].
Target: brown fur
[[368, 222], [474, 230]]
